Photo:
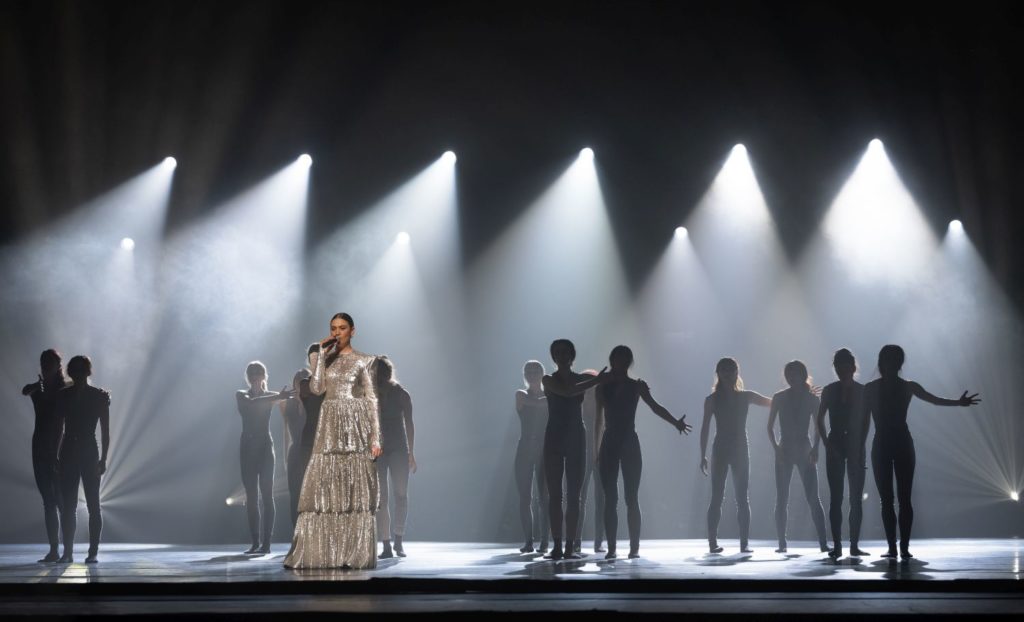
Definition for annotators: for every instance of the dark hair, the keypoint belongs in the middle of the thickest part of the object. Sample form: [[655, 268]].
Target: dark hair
[[79, 366], [313, 347], [383, 362], [621, 351], [843, 355], [346, 317], [49, 356], [797, 367], [567, 344], [891, 356]]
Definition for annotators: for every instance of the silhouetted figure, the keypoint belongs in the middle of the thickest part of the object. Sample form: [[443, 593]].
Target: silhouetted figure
[[844, 449], [565, 445], [341, 491], [294, 416], [532, 409], [620, 446], [892, 451], [794, 407], [590, 473], [80, 407], [256, 455], [728, 404], [46, 441], [398, 440]]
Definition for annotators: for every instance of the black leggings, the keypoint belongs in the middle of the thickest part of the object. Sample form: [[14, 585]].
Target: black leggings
[[257, 462], [623, 451], [893, 454], [80, 466], [843, 461], [565, 451], [786, 458], [44, 467], [529, 468], [725, 455], [591, 474], [298, 459]]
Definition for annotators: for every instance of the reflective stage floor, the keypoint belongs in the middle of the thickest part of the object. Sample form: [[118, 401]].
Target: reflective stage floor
[[959, 577]]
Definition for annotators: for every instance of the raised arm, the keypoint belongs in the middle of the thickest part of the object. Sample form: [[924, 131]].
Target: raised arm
[[964, 400], [656, 408], [554, 384], [705, 430], [757, 399], [32, 387]]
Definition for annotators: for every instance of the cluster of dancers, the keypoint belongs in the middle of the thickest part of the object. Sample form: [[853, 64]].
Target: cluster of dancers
[[553, 446], [350, 440]]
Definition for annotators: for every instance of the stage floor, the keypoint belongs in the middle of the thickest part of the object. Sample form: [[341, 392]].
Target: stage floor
[[948, 576]]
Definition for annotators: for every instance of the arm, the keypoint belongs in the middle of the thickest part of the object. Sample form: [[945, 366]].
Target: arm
[[32, 387], [316, 381], [964, 400], [554, 384], [819, 421], [656, 408], [705, 430], [521, 398], [598, 423], [757, 399], [773, 414], [817, 438], [104, 434], [270, 396], [410, 428]]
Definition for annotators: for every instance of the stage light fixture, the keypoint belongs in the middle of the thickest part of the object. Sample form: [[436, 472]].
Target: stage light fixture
[[170, 162], [681, 232], [127, 244], [305, 160], [402, 237], [449, 157]]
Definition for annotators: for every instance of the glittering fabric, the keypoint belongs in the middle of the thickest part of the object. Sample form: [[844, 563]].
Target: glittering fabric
[[340, 492]]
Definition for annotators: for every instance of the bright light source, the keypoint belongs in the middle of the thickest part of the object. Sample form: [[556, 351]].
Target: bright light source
[[587, 153], [448, 157], [228, 501], [305, 160], [127, 244], [739, 149], [864, 497], [955, 226], [681, 232], [875, 144], [1015, 496], [170, 162], [403, 237]]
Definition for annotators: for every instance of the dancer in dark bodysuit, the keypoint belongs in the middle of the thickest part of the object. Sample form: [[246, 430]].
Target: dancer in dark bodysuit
[[565, 444], [311, 409], [80, 407], [794, 407], [398, 441], [532, 409], [728, 404], [45, 442], [294, 422], [892, 451], [256, 453], [844, 449], [620, 446]]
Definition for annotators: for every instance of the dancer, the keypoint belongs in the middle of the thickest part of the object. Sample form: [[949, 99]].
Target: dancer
[[398, 437], [311, 409], [620, 446], [340, 492], [565, 444], [728, 404], [256, 454], [532, 409], [80, 407], [590, 473], [892, 451], [45, 442], [793, 407], [294, 422], [844, 449]]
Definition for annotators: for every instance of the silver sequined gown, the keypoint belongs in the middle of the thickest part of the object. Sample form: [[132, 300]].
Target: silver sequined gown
[[340, 492]]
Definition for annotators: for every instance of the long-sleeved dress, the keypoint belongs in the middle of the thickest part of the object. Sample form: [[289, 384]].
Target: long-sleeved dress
[[340, 492]]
